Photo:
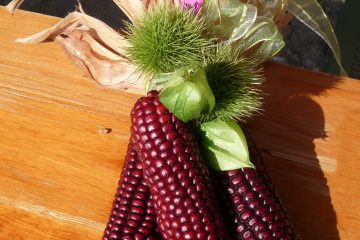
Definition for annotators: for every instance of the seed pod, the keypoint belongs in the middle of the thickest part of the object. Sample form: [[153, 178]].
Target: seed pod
[[177, 177], [132, 215], [250, 203]]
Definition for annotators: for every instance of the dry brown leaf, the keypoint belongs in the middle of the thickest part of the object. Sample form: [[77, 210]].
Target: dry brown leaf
[[78, 7], [177, 3], [136, 8], [96, 48], [283, 17], [13, 5], [133, 9], [82, 21], [283, 20], [152, 3], [108, 69]]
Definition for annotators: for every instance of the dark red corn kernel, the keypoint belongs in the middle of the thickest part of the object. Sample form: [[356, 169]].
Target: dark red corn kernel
[[259, 188], [241, 207], [132, 215], [259, 227], [264, 194], [250, 204], [247, 234], [268, 217], [269, 200], [165, 118], [185, 206], [249, 196], [151, 118], [278, 233], [261, 210], [275, 207]]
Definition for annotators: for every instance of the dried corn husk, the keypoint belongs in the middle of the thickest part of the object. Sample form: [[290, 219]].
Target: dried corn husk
[[13, 5], [133, 9], [101, 52], [96, 48], [151, 3]]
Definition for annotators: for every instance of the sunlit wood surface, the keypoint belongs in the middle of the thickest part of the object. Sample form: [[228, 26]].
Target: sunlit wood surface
[[58, 173]]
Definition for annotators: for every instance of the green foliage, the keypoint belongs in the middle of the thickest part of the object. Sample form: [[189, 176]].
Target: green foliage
[[223, 145], [188, 95], [235, 83], [166, 39]]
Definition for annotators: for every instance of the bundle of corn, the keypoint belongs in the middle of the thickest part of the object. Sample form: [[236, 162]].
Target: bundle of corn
[[199, 62], [203, 86], [200, 83]]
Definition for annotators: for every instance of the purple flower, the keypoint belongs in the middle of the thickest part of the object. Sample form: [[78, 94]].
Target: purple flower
[[194, 4]]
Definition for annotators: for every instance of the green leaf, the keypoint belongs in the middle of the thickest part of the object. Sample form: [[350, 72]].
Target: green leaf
[[188, 95], [159, 81], [264, 33], [311, 14], [230, 19], [223, 145]]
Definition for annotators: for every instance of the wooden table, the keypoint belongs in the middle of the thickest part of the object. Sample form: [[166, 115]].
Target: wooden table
[[58, 174]]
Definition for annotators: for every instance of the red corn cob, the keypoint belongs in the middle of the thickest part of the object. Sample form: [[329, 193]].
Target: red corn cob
[[132, 216], [178, 179], [250, 202]]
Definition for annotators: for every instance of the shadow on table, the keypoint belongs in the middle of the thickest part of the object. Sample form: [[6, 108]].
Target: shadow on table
[[285, 135]]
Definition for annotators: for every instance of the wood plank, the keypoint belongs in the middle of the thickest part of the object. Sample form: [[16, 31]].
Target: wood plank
[[33, 222], [57, 156], [53, 159]]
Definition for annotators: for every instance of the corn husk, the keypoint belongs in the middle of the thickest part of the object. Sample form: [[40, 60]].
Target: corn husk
[[13, 5], [133, 9], [101, 52], [95, 47]]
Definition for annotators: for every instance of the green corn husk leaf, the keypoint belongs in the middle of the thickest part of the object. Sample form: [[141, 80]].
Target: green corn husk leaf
[[229, 20], [263, 32], [223, 145], [311, 14], [186, 93], [161, 80]]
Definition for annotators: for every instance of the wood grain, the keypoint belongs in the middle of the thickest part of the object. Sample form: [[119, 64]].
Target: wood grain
[[308, 135], [58, 174], [35, 222]]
